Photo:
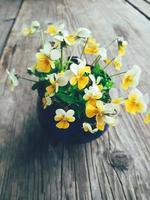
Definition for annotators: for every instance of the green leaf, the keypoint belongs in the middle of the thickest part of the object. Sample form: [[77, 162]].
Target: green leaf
[[66, 98]]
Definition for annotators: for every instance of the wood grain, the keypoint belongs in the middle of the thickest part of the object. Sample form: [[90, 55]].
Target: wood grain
[[142, 6], [31, 168], [8, 12]]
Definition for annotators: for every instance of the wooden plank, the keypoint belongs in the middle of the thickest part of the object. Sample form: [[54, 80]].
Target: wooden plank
[[8, 12], [142, 6], [30, 168]]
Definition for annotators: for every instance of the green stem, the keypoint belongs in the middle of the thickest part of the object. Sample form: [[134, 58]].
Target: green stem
[[117, 74], [110, 43], [83, 48], [109, 63], [96, 60], [61, 59], [24, 78], [42, 38]]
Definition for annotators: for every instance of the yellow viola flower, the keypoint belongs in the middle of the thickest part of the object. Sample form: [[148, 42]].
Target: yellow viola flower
[[131, 78], [70, 39], [122, 45], [44, 63], [117, 62], [30, 30], [147, 118], [91, 47], [56, 81], [115, 97], [79, 76], [63, 118], [46, 101], [105, 114], [88, 128], [92, 94], [135, 102]]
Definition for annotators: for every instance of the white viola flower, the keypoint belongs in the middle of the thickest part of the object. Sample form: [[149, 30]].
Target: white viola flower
[[83, 32], [135, 103], [63, 118], [131, 78], [103, 53], [76, 67], [30, 30], [80, 72], [46, 101], [13, 80], [92, 94], [88, 128], [56, 81]]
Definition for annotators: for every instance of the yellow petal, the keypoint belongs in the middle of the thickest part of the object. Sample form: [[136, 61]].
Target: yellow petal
[[51, 29], [127, 81], [82, 82], [73, 80], [100, 123], [50, 89], [70, 119], [43, 64], [147, 118], [62, 124], [70, 39], [134, 107], [117, 100], [91, 110], [58, 118], [121, 51]]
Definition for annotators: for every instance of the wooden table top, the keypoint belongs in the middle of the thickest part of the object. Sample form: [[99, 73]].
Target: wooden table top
[[30, 168]]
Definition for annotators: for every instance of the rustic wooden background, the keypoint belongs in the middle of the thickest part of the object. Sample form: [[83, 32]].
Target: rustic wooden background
[[30, 168]]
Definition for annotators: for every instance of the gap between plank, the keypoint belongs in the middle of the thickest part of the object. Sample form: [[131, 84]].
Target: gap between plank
[[138, 9], [11, 27]]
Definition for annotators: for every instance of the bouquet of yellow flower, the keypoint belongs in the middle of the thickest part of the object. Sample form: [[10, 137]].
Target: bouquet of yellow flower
[[76, 93]]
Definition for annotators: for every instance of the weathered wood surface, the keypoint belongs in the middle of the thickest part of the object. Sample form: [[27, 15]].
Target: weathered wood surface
[[142, 6], [30, 168], [8, 12]]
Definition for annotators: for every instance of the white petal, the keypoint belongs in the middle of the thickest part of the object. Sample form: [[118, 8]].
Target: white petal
[[47, 48], [74, 68], [92, 78], [146, 98], [60, 112], [112, 121], [62, 81], [70, 113], [113, 92], [35, 24], [103, 53], [59, 38], [55, 54], [83, 32], [68, 75]]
